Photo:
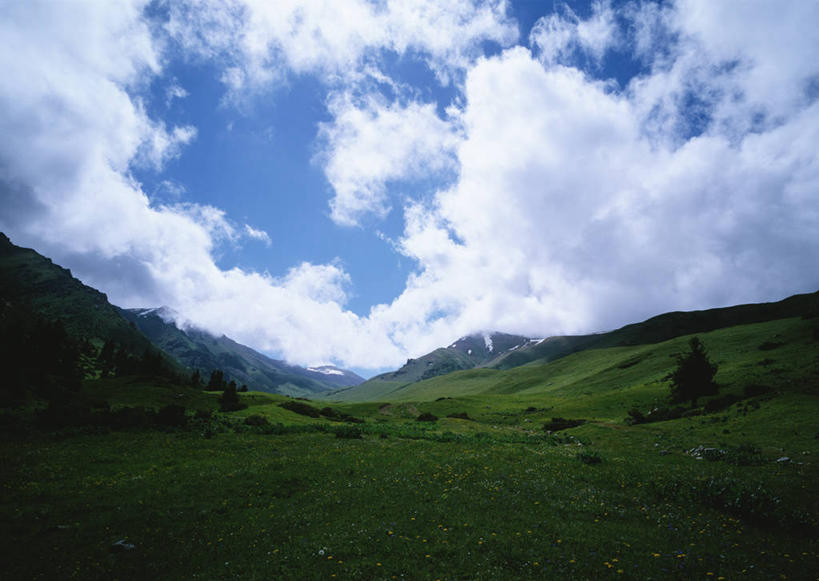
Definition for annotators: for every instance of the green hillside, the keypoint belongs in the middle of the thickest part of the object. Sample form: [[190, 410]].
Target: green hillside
[[397, 386], [31, 281], [465, 353], [661, 328], [480, 491]]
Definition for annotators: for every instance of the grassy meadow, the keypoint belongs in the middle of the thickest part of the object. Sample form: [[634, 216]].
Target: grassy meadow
[[728, 491]]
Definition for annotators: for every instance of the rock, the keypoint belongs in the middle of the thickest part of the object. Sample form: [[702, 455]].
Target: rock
[[121, 546]]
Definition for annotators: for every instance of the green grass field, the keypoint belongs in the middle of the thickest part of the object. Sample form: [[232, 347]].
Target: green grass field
[[492, 496]]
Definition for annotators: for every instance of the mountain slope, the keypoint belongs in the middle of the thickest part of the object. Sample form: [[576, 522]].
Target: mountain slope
[[661, 328], [465, 353], [200, 350], [31, 281], [781, 355], [408, 384]]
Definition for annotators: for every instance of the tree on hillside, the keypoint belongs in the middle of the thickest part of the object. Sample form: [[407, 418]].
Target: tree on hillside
[[229, 402], [694, 375], [216, 381]]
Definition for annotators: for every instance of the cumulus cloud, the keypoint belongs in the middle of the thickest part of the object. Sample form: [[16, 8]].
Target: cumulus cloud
[[263, 42], [557, 37], [371, 143], [564, 205], [575, 211]]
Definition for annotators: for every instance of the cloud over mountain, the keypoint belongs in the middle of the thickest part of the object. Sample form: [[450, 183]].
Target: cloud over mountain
[[537, 194]]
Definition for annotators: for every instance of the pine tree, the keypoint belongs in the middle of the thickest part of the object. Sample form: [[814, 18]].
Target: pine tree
[[217, 381], [694, 375], [229, 402]]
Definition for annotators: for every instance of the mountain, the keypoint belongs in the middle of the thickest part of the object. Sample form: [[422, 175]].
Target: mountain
[[661, 328], [31, 285], [32, 282], [201, 350], [511, 351], [465, 353]]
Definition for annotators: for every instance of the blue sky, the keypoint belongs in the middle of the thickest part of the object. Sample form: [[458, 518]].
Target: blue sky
[[358, 182]]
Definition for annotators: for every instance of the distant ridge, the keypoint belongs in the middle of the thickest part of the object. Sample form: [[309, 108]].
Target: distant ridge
[[33, 283], [201, 350], [515, 351]]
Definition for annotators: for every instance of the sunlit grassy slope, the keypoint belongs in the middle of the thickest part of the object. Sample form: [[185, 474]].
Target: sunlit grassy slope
[[781, 354], [484, 494]]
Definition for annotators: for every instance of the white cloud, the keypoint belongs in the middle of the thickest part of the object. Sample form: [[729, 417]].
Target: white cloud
[[556, 37], [259, 235], [568, 206], [263, 42], [371, 143], [574, 212]]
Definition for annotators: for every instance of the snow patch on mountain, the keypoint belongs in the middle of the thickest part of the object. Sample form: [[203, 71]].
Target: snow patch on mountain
[[487, 339]]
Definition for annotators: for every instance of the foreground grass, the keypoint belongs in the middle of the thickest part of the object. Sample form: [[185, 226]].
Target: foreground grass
[[485, 495], [311, 506]]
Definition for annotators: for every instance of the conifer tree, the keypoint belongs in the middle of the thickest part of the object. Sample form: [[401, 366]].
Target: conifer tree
[[694, 375]]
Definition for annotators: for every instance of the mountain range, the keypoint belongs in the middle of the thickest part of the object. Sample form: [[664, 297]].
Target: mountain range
[[497, 351], [198, 349], [30, 282]]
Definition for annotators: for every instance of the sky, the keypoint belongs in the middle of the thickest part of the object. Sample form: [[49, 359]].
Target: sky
[[357, 182]]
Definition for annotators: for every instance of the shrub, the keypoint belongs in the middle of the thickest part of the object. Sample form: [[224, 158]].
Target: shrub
[[427, 417], [589, 457], [129, 417], [756, 389], [460, 416], [635, 416], [720, 403], [348, 432], [558, 424], [301, 408], [171, 416], [256, 420], [329, 413]]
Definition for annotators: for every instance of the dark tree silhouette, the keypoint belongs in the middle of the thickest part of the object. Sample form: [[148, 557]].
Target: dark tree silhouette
[[217, 381], [229, 402], [694, 375]]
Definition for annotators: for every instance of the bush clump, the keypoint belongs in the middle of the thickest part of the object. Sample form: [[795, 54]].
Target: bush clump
[[172, 416], [337, 416], [558, 424], [589, 457], [301, 408], [460, 416], [256, 420], [348, 432], [635, 416], [720, 403], [427, 417], [756, 389]]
